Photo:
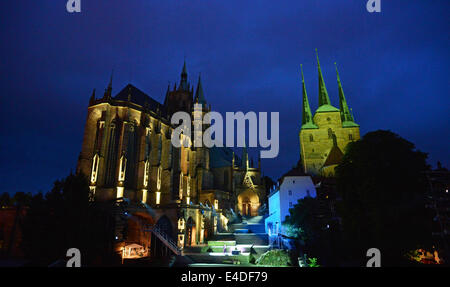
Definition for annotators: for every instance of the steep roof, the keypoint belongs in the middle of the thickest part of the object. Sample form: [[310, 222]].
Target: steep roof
[[295, 171], [222, 157], [134, 95], [334, 157]]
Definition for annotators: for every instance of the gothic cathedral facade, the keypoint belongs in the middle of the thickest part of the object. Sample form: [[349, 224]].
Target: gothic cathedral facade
[[188, 192]]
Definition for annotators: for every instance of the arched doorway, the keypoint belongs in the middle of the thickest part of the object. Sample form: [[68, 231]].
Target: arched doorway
[[246, 206], [135, 231], [190, 232], [208, 228], [248, 203]]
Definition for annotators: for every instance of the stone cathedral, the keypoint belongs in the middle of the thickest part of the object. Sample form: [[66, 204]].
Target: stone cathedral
[[188, 193], [324, 136]]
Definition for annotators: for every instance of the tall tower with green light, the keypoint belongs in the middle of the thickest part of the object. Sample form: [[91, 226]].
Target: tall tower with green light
[[324, 136]]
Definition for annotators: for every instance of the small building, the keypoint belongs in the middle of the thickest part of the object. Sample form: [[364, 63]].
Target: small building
[[293, 186]]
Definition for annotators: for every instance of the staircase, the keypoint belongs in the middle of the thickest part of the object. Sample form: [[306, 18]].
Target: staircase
[[250, 231], [121, 211], [165, 239]]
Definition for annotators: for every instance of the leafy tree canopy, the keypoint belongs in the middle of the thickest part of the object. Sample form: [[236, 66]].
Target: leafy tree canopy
[[383, 187]]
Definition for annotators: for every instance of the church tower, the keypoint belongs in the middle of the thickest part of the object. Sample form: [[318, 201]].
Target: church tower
[[324, 136], [180, 98]]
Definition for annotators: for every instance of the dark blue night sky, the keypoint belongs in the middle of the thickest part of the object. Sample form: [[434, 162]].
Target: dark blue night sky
[[394, 67]]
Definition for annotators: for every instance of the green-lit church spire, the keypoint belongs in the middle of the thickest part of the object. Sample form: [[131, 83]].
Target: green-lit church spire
[[346, 115], [323, 94], [324, 99], [307, 120]]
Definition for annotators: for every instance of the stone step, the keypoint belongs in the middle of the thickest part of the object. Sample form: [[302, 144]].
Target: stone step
[[252, 228], [245, 238]]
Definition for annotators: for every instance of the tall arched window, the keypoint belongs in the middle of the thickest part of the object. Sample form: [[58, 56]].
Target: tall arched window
[[131, 149], [181, 186], [111, 157], [330, 133]]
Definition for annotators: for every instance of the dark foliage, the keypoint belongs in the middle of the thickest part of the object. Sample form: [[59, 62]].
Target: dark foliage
[[64, 218], [383, 188]]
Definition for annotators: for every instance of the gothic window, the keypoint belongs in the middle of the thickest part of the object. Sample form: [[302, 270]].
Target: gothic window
[[290, 192], [350, 137], [148, 142], [99, 135], [158, 178], [311, 138], [94, 169], [181, 186], [290, 204], [188, 185], [159, 148], [146, 170], [308, 193], [131, 154], [330, 133], [111, 159]]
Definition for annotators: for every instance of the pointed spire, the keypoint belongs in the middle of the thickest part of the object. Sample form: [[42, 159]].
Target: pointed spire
[[183, 83], [346, 115], [108, 91], [307, 120], [199, 95], [184, 71], [245, 157], [323, 94], [92, 99], [166, 99]]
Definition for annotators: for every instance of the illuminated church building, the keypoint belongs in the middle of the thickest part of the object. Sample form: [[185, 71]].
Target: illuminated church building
[[324, 136], [128, 156]]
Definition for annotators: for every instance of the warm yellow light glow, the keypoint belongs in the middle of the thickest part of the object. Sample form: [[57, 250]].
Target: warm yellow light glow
[[119, 191], [144, 196], [188, 185], [181, 224], [188, 200], [202, 233], [224, 221], [122, 168], [202, 229], [94, 169], [146, 167], [158, 197], [181, 186], [92, 195], [216, 204], [158, 179], [180, 240], [134, 251]]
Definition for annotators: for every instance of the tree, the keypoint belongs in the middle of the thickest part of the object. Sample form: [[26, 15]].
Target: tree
[[306, 223], [382, 186], [5, 200], [302, 222], [64, 218]]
